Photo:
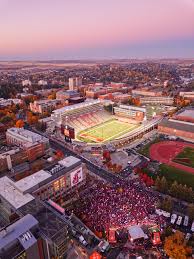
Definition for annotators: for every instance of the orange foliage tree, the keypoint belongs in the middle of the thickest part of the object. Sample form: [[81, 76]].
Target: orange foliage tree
[[19, 124], [175, 246]]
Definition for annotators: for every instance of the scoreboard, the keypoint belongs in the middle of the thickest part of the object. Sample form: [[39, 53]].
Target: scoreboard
[[68, 131]]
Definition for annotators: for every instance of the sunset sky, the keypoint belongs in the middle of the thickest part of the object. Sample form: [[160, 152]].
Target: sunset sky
[[86, 29]]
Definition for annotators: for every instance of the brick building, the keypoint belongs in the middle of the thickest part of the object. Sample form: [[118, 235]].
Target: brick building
[[181, 125]]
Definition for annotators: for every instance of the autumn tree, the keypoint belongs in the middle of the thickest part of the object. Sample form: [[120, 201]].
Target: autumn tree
[[52, 96], [19, 124], [176, 247]]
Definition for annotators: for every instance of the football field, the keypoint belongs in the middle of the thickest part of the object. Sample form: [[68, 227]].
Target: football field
[[106, 131]]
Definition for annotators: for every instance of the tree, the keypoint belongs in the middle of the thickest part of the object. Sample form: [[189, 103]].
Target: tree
[[19, 124], [176, 247], [164, 185], [52, 96], [158, 183], [6, 119], [59, 154], [167, 204], [174, 189]]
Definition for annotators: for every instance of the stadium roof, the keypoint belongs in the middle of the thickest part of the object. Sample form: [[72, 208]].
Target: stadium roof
[[178, 125], [76, 106]]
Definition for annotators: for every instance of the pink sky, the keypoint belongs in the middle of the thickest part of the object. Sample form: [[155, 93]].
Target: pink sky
[[32, 27]]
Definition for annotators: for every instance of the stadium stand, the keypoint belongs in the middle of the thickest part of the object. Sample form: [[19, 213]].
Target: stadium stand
[[82, 116]]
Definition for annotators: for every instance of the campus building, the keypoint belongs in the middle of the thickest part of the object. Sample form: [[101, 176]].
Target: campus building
[[51, 183], [181, 125], [166, 100], [130, 114], [44, 106]]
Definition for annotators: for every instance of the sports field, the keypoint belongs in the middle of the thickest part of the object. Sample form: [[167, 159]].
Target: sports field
[[174, 153], [106, 131], [186, 157]]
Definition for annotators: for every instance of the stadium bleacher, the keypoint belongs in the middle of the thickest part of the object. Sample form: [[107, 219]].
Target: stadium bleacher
[[86, 117]]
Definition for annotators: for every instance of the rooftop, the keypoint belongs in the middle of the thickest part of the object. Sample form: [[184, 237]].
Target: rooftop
[[26, 134], [12, 195], [50, 224], [28, 183], [76, 106], [187, 113], [15, 230], [136, 232], [69, 161], [178, 125]]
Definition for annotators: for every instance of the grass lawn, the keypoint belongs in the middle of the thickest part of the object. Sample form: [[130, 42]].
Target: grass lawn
[[106, 131], [172, 174], [186, 157], [145, 149]]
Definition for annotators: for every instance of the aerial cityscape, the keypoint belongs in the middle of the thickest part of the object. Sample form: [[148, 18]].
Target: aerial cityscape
[[97, 129]]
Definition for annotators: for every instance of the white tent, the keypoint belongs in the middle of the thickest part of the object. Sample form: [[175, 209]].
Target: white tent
[[136, 232]]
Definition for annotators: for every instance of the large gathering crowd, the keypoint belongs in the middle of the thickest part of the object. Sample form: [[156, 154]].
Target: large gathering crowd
[[103, 206]]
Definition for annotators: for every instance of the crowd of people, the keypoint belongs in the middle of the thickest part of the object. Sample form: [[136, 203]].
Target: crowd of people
[[104, 206]]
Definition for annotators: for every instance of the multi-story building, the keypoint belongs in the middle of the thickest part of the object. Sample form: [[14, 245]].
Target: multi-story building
[[187, 95], [116, 97], [45, 92], [8, 102], [44, 230], [44, 106], [144, 92], [130, 113], [12, 157], [42, 82], [181, 125], [34, 144], [22, 137], [74, 83], [166, 100], [95, 92], [66, 95], [26, 83], [21, 239]]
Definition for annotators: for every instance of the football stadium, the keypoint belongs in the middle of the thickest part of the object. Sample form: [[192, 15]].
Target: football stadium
[[92, 123], [106, 131]]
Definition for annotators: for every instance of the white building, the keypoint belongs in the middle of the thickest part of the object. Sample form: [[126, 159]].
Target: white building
[[74, 82], [42, 82], [8, 102], [25, 138], [187, 95], [26, 83], [166, 100]]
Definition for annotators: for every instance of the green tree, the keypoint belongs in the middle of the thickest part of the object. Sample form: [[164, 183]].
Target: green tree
[[167, 204], [174, 189], [158, 183], [164, 185]]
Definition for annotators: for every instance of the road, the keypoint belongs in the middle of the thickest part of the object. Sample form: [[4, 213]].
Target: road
[[91, 167]]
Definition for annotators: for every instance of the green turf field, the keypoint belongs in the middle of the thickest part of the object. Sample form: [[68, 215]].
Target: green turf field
[[186, 157], [106, 131]]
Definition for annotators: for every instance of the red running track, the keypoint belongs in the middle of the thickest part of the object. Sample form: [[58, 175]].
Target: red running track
[[166, 151]]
